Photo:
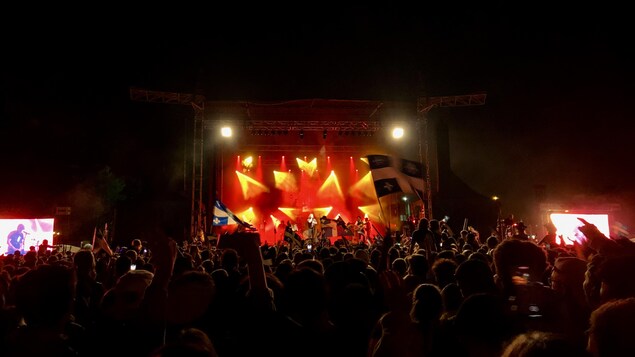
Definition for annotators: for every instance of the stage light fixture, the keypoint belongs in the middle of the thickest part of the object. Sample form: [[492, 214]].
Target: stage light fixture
[[324, 134], [397, 133], [226, 132], [301, 133]]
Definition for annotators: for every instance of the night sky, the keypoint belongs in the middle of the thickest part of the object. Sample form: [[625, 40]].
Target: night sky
[[559, 86]]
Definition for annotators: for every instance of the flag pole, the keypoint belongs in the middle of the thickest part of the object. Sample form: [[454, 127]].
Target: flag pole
[[416, 192], [392, 201]]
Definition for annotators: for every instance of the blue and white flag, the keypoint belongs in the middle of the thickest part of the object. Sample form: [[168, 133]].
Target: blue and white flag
[[224, 217]]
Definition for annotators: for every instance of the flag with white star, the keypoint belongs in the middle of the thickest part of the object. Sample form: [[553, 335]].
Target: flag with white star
[[387, 186], [391, 175]]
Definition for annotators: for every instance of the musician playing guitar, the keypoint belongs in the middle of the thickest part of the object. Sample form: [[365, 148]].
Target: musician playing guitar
[[359, 230], [15, 240]]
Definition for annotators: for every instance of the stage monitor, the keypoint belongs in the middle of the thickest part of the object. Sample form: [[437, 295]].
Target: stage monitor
[[25, 233], [567, 225]]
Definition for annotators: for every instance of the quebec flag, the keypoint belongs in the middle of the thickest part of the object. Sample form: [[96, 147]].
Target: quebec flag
[[223, 216]]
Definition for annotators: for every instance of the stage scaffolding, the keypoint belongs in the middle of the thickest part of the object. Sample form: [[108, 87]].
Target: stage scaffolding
[[354, 118]]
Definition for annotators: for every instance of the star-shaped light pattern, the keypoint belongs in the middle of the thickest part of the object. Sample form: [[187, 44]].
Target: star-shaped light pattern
[[285, 181], [308, 167], [247, 163], [373, 211], [276, 221], [249, 186], [364, 188], [331, 187], [290, 212], [322, 211], [248, 215]]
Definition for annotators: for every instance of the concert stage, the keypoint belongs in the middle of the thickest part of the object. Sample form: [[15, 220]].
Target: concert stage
[[275, 170]]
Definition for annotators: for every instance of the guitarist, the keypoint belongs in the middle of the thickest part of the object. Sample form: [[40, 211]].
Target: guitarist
[[15, 240], [359, 230]]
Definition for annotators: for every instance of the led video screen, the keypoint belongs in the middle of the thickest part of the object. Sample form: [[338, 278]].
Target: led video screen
[[21, 234], [568, 225]]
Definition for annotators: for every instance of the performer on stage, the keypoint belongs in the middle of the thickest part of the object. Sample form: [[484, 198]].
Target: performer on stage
[[326, 229], [367, 228], [15, 240], [291, 236], [324, 221], [340, 226], [42, 248], [359, 230], [280, 229], [311, 226]]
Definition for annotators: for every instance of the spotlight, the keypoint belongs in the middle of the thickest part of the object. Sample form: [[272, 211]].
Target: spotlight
[[324, 134], [397, 132], [301, 133], [226, 132]]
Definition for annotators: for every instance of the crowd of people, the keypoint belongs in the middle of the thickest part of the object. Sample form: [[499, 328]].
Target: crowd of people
[[432, 293]]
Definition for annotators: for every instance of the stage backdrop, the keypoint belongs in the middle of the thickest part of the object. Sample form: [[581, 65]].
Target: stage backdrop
[[270, 190]]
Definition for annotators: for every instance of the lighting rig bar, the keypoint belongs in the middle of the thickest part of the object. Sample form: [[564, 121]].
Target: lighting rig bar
[[284, 127]]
